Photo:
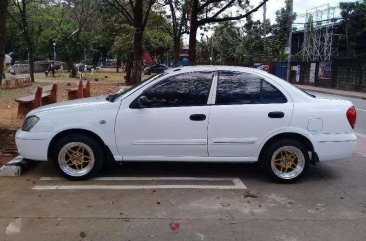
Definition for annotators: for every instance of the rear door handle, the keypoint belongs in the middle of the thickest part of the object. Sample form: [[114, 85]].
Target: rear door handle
[[198, 117], [276, 114]]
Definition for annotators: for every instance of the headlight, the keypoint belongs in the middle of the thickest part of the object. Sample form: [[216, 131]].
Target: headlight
[[30, 122]]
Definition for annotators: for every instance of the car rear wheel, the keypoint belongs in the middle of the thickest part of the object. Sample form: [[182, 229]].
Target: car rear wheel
[[78, 157], [285, 161]]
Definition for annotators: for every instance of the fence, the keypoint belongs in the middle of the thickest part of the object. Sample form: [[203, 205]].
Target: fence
[[347, 74], [39, 66]]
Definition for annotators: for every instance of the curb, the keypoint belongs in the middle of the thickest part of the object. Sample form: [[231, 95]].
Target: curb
[[332, 93], [14, 167]]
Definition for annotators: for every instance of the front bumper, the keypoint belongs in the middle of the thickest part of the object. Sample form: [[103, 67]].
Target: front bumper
[[33, 146]]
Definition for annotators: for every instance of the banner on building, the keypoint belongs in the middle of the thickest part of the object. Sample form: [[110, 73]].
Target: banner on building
[[325, 69]]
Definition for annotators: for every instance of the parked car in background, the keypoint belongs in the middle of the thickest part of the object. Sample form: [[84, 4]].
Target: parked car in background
[[155, 69], [195, 114]]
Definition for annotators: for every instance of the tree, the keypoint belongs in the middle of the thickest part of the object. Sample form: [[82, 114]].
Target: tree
[[179, 17], [136, 14], [19, 13], [157, 37], [354, 27], [281, 28], [3, 7], [213, 11], [225, 41], [123, 44], [74, 22]]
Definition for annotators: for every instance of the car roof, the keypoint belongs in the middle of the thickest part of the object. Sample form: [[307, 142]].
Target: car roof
[[185, 69]]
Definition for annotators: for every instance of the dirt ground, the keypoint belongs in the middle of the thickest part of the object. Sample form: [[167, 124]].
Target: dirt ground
[[102, 83]]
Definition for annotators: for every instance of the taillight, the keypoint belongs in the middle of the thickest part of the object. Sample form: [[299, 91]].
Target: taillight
[[351, 116]]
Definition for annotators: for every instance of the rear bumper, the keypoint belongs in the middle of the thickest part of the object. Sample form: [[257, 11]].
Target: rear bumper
[[33, 146], [335, 146]]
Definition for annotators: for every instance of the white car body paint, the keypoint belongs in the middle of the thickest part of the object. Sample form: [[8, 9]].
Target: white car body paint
[[231, 133]]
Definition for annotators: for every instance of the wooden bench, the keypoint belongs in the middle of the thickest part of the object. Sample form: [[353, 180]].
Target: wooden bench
[[49, 94], [81, 91], [43, 96]]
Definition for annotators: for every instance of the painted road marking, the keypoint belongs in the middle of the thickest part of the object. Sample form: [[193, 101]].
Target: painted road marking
[[360, 109], [237, 184], [143, 179]]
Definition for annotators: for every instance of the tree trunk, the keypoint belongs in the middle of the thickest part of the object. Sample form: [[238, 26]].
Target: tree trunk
[[176, 51], [137, 58], [193, 32], [128, 68], [31, 63], [3, 7], [118, 63], [29, 43], [137, 42], [192, 45]]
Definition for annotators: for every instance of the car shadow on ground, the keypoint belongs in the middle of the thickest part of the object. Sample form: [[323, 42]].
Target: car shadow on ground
[[245, 171]]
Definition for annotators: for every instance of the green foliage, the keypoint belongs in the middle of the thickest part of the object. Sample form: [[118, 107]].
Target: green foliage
[[353, 27], [122, 44], [78, 26], [157, 40], [16, 39], [280, 30]]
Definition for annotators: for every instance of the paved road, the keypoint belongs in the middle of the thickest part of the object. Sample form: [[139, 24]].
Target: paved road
[[329, 203]]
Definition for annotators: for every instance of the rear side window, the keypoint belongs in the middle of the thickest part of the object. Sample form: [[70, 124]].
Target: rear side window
[[189, 89], [245, 88]]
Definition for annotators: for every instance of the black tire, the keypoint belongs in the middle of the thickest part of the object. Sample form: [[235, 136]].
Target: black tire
[[95, 147], [270, 151]]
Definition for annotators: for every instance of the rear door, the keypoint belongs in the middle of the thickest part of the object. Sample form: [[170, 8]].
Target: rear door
[[247, 109]]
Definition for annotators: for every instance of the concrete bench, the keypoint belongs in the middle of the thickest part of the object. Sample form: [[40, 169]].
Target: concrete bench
[[43, 96], [81, 91]]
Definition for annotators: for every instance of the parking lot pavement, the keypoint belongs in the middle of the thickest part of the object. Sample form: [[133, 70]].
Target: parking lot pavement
[[328, 204]]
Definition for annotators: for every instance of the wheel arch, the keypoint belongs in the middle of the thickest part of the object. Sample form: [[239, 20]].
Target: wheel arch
[[89, 133], [287, 135]]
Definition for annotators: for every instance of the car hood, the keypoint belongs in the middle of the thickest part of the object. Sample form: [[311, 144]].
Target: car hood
[[83, 104]]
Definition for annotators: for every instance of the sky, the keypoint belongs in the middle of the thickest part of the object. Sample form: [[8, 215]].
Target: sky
[[300, 6]]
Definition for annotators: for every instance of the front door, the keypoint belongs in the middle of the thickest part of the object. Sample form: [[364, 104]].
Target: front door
[[172, 123], [247, 109]]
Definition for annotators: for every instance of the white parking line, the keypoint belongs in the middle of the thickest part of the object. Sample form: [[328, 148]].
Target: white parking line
[[237, 184], [360, 109], [144, 179]]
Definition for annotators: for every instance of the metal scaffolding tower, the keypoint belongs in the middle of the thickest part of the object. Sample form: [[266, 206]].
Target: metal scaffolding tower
[[318, 33]]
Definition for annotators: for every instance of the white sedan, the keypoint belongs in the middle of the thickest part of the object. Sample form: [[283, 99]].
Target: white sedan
[[194, 114]]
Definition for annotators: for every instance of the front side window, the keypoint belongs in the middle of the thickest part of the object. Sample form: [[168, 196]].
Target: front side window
[[189, 89], [236, 88]]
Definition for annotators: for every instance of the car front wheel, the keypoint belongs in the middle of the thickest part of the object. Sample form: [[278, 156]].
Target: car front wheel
[[285, 161], [78, 157]]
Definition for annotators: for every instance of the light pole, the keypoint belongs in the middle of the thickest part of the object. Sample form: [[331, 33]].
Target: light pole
[[291, 5], [54, 51]]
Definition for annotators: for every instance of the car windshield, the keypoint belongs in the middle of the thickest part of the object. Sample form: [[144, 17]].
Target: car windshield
[[113, 97]]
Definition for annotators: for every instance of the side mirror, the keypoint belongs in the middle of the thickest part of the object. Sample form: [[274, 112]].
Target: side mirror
[[143, 101]]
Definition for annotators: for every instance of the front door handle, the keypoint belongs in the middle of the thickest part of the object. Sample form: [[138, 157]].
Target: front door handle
[[276, 114], [198, 117]]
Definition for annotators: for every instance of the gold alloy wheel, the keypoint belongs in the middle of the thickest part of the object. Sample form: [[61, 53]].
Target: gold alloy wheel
[[288, 162], [76, 159]]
